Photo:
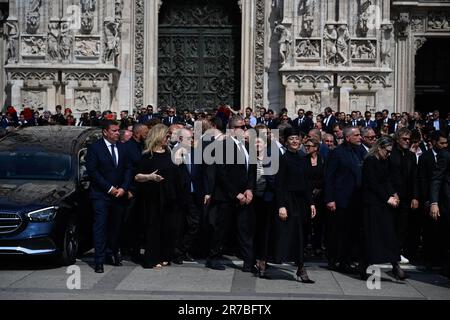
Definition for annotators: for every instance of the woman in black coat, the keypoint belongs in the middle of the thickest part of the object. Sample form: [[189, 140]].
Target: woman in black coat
[[294, 202], [379, 197], [161, 193]]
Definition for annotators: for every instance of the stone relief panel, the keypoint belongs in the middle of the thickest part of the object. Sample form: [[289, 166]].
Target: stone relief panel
[[438, 22], [139, 54], [308, 101], [87, 100], [306, 49], [259, 52], [418, 23], [362, 102], [35, 99], [87, 47], [336, 44], [34, 46], [363, 50]]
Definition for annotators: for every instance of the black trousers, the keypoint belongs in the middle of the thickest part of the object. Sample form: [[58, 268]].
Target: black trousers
[[190, 225], [220, 218], [133, 228], [108, 220], [433, 240], [401, 224], [264, 219]]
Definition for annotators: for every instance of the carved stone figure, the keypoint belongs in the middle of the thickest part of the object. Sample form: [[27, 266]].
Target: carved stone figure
[[402, 24], [87, 48], [284, 42], [330, 37], [33, 17], [308, 49], [363, 50], [65, 46], [33, 46], [87, 15], [112, 40], [53, 41], [12, 35], [306, 11], [342, 45], [385, 52], [439, 21], [363, 17]]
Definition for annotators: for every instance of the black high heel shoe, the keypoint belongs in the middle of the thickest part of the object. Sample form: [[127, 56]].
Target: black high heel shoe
[[261, 272], [302, 276], [399, 274]]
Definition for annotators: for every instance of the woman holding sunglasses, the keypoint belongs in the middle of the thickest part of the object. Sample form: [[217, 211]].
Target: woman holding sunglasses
[[379, 198]]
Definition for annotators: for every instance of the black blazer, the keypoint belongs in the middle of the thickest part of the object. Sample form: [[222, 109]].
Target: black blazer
[[305, 126], [343, 175], [175, 120], [103, 173], [440, 182], [376, 186], [230, 179], [403, 173], [426, 166], [329, 128]]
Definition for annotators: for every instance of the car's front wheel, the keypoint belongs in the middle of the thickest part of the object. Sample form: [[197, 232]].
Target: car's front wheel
[[69, 248]]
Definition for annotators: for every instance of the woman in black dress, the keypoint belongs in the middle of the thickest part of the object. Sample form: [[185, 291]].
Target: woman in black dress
[[294, 202], [161, 190], [379, 197]]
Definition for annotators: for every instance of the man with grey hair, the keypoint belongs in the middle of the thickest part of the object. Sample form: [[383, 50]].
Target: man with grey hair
[[368, 139], [342, 197]]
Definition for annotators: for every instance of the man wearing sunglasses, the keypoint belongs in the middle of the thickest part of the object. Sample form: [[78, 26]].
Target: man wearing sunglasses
[[368, 139], [403, 171]]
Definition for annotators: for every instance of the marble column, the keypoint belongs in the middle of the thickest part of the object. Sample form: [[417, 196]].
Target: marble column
[[151, 52], [248, 53], [404, 92]]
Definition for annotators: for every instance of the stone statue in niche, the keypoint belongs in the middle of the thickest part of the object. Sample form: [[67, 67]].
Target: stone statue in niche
[[87, 15], [306, 8], [112, 40], [66, 42], [330, 37], [385, 53], [284, 42], [315, 103], [12, 35], [363, 18], [342, 45], [33, 17], [118, 9], [308, 49], [53, 41]]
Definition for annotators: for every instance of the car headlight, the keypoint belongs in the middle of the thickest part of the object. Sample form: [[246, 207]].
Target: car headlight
[[43, 215]]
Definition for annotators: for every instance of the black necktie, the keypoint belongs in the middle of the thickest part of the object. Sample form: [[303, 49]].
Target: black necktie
[[113, 153]]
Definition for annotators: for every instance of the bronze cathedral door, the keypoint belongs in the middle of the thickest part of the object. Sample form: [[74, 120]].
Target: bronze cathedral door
[[199, 54]]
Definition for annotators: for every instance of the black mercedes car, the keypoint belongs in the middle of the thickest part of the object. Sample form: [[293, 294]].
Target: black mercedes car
[[44, 203]]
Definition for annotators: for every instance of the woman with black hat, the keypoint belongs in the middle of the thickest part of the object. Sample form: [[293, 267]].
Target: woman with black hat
[[294, 203]]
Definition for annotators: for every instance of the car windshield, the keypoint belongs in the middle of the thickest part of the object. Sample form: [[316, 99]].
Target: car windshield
[[34, 165]]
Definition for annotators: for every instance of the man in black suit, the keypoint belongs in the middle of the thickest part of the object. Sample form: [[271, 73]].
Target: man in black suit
[[437, 123], [111, 173], [232, 196], [386, 119], [303, 123], [427, 164], [171, 118], [356, 122], [342, 196], [368, 122], [440, 201], [329, 120], [368, 140], [403, 170]]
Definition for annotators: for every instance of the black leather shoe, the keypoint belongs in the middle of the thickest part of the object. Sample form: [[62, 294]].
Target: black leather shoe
[[302, 276], [178, 260], [99, 268], [399, 274], [215, 265], [249, 268], [188, 257], [115, 260]]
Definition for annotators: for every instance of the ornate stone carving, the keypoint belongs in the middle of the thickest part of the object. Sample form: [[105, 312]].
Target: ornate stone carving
[[12, 36], [35, 99], [33, 46], [196, 16], [362, 102], [418, 23], [86, 101], [139, 54], [37, 76], [284, 42], [112, 40], [66, 42], [87, 47], [33, 17], [309, 101], [368, 80], [418, 43], [306, 10], [363, 50], [53, 51], [385, 54], [87, 15], [363, 17], [438, 22], [336, 44], [87, 76], [310, 79], [259, 52], [307, 49], [402, 23]]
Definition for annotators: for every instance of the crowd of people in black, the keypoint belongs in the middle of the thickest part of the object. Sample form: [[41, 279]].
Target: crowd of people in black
[[356, 190]]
